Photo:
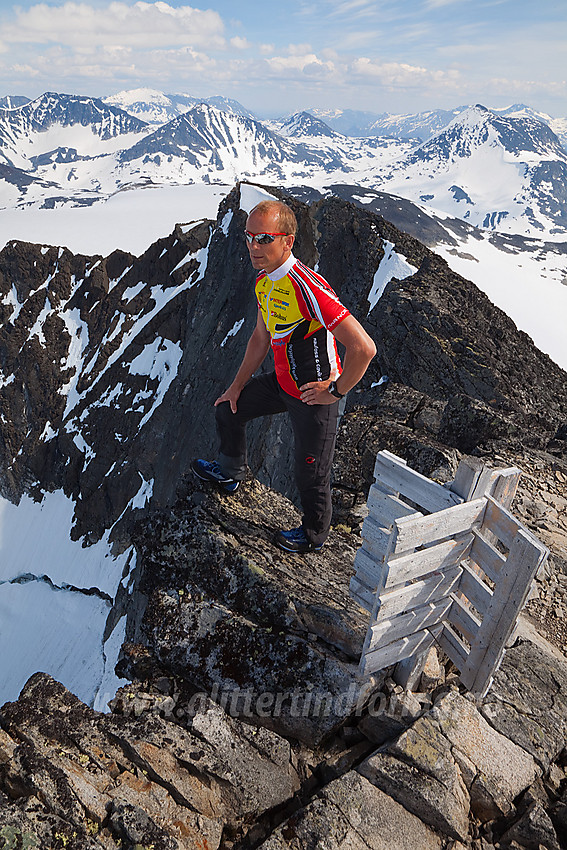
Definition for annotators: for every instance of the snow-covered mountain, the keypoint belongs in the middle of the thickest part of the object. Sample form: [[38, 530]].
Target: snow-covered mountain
[[304, 124], [155, 107], [417, 126], [13, 101], [87, 150], [350, 122], [495, 172], [519, 110], [47, 125], [43, 142], [421, 126]]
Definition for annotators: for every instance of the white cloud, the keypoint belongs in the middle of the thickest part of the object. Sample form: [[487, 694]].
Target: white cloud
[[142, 25], [306, 64], [240, 43], [401, 74]]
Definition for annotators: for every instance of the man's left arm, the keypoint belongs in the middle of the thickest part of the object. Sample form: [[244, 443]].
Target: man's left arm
[[359, 351]]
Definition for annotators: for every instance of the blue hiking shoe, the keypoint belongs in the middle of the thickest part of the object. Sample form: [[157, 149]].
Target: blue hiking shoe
[[210, 471], [295, 540]]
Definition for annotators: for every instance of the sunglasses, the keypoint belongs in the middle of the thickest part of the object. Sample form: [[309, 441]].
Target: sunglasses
[[262, 238]]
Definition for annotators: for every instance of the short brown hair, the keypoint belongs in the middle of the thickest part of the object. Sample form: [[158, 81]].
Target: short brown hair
[[287, 221]]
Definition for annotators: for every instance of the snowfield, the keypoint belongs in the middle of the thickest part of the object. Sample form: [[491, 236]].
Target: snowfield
[[55, 598], [130, 220]]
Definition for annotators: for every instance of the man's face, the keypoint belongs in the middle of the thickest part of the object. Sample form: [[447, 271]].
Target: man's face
[[272, 256]]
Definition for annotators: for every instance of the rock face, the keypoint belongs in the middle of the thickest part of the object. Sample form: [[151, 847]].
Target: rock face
[[532, 711], [350, 812]]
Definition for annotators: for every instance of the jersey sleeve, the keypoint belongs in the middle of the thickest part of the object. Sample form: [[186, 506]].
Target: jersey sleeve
[[316, 299]]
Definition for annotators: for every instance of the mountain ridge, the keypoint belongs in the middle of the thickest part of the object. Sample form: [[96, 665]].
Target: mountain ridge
[[92, 150]]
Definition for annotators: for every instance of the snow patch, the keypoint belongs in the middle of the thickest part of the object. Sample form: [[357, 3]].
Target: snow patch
[[225, 223], [56, 631], [144, 494], [110, 682], [159, 361], [252, 195], [392, 265], [11, 300], [130, 293], [232, 332]]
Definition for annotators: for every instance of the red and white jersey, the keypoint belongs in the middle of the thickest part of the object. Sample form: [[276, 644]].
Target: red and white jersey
[[300, 310]]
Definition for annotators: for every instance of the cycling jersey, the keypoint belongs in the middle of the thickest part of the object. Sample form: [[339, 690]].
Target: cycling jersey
[[300, 309]]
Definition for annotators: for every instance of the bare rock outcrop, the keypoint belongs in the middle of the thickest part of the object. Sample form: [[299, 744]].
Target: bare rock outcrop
[[275, 635], [351, 812], [144, 780]]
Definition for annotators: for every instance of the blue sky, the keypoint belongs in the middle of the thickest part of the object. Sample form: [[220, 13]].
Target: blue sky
[[376, 55]]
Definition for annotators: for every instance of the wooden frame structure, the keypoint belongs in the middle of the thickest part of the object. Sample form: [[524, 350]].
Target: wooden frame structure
[[443, 563]]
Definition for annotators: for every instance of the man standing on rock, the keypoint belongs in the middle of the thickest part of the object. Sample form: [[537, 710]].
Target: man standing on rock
[[300, 316]]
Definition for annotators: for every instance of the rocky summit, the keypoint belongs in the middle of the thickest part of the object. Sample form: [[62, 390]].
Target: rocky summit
[[242, 723]]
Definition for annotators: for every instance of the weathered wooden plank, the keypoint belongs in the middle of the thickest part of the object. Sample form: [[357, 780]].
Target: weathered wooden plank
[[361, 594], [387, 630], [475, 590], [430, 589], [381, 485], [506, 486], [486, 482], [510, 593], [466, 477], [391, 456], [376, 539], [412, 485], [385, 508], [453, 646], [385, 490], [412, 532], [442, 556], [368, 570], [398, 650], [462, 618], [501, 484], [501, 522], [484, 554]]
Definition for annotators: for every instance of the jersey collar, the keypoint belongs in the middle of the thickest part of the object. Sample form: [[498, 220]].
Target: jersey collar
[[280, 272]]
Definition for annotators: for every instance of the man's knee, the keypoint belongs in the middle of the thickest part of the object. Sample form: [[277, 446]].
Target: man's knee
[[223, 413]]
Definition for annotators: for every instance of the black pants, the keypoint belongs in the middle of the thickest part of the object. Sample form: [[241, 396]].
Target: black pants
[[314, 428]]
